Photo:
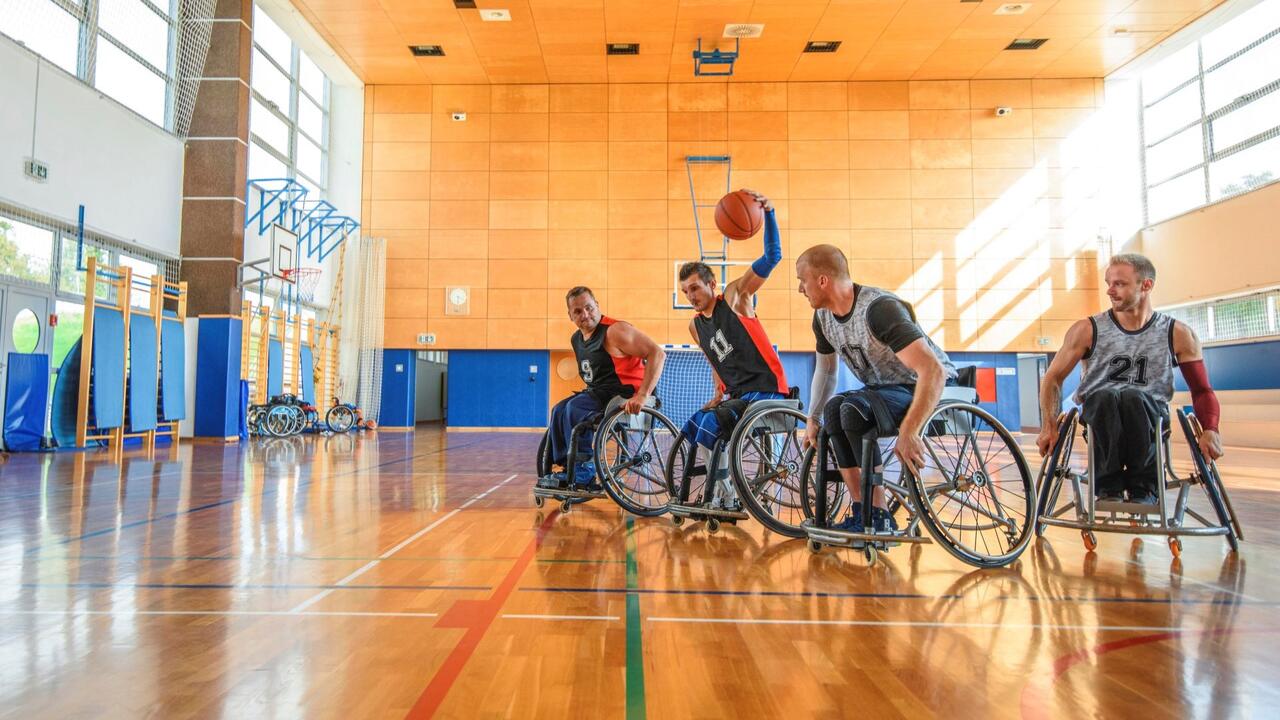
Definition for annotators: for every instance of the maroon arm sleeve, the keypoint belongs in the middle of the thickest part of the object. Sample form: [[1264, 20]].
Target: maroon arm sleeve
[[1202, 397]]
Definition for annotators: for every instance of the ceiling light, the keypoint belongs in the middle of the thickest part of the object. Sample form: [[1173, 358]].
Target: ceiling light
[[1026, 43], [1013, 9], [822, 46], [622, 48], [426, 50], [495, 15], [743, 30]]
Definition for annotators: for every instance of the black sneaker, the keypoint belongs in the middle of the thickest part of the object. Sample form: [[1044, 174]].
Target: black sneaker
[[882, 521], [1110, 496], [1143, 497]]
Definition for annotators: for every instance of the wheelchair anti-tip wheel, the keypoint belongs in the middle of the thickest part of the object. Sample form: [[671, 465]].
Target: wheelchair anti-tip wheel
[[974, 492], [631, 452]]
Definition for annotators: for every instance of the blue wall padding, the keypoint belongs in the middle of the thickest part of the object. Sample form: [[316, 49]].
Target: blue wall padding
[[399, 388], [308, 376], [1006, 407], [26, 395], [108, 368], [494, 388], [275, 369], [1247, 366], [66, 395], [143, 374], [173, 370], [218, 377]]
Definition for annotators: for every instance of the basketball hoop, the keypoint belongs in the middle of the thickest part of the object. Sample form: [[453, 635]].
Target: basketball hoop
[[305, 281]]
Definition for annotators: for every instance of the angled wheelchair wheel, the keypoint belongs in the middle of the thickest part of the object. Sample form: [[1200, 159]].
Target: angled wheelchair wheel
[[975, 492], [1212, 481], [674, 471], [631, 453], [765, 455], [544, 455], [837, 493], [340, 419], [278, 421]]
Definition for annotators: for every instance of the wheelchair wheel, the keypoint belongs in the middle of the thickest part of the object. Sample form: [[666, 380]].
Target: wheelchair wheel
[[278, 421], [631, 453], [766, 456], [1212, 482], [544, 455], [340, 419], [975, 492], [674, 469], [837, 493]]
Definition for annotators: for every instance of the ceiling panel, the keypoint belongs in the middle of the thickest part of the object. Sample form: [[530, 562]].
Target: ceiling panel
[[563, 41]]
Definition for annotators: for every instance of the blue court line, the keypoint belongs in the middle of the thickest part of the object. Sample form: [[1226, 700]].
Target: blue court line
[[266, 492], [245, 586], [739, 593], [904, 596]]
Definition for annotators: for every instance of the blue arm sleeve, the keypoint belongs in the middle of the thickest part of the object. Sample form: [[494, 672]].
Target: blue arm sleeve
[[772, 247]]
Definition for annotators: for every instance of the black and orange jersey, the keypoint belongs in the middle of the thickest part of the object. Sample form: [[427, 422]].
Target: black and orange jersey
[[740, 351], [601, 371]]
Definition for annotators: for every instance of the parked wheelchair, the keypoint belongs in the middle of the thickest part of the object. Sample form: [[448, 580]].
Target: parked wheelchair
[[1083, 511], [626, 458]]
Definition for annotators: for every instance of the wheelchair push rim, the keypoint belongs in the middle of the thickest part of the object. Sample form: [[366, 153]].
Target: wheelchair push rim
[[631, 454], [766, 461], [975, 492]]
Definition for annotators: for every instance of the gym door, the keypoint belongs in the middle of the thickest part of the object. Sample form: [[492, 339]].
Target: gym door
[[23, 326]]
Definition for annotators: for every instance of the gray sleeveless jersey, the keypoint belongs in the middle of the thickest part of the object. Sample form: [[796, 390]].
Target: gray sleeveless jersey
[[1118, 358], [870, 360]]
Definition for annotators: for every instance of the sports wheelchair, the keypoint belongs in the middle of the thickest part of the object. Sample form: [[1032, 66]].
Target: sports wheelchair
[[750, 471], [1091, 516], [974, 494], [628, 452]]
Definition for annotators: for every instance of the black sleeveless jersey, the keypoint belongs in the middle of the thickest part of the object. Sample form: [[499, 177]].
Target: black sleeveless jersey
[[604, 374], [740, 351]]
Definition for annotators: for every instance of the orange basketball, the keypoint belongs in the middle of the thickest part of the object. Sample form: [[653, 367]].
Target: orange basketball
[[739, 215]]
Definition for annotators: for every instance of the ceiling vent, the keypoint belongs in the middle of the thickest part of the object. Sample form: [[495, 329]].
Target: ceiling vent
[[495, 15], [1026, 43], [822, 46], [465, 4], [1013, 9], [743, 30], [426, 50], [622, 48]]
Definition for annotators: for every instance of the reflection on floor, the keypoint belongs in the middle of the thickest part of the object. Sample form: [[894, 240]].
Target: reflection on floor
[[400, 575]]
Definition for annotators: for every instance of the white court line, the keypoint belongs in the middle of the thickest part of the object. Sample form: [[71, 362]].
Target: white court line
[[514, 616], [232, 613], [397, 548], [908, 623]]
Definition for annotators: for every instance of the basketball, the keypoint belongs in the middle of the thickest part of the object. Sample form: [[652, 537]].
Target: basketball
[[739, 215]]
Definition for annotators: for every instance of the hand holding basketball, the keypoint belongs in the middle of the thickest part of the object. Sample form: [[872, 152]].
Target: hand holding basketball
[[740, 214]]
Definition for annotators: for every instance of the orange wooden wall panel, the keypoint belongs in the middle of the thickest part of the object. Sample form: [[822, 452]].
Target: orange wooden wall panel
[[982, 221]]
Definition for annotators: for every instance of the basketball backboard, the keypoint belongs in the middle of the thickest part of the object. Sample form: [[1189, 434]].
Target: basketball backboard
[[284, 245]]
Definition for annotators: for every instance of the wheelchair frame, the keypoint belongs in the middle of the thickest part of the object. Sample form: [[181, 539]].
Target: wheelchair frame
[[906, 493], [1142, 519], [570, 495]]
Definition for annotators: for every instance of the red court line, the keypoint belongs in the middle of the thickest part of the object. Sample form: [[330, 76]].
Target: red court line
[[1035, 696], [475, 616]]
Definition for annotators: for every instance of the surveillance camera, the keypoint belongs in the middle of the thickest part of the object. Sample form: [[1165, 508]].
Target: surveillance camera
[[1002, 111], [459, 116]]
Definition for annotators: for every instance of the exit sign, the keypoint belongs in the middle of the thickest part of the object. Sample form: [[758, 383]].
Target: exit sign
[[36, 170]]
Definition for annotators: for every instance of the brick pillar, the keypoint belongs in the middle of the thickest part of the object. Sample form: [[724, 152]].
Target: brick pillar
[[217, 155]]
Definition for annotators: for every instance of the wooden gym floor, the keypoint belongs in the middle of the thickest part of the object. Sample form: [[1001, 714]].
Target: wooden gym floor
[[408, 575]]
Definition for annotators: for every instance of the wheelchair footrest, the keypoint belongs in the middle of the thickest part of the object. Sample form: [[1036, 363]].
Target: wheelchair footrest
[[1128, 508], [566, 493], [702, 511], [852, 539]]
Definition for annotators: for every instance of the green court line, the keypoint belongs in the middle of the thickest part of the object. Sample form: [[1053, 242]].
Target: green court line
[[635, 649]]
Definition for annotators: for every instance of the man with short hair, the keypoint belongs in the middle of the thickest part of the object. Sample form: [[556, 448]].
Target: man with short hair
[[614, 360], [1129, 353], [744, 364], [876, 334]]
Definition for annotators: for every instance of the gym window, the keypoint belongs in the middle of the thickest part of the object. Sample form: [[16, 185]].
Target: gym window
[[1241, 317], [1209, 117]]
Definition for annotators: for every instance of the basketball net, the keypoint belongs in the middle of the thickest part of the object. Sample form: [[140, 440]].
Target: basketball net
[[305, 281]]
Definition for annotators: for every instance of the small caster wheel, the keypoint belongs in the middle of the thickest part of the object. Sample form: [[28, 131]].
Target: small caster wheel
[[815, 547], [565, 505], [1175, 546], [870, 553], [538, 501], [1135, 548], [677, 520], [713, 525], [1090, 540]]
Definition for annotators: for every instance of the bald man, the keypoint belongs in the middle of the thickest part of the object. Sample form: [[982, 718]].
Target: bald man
[[876, 335]]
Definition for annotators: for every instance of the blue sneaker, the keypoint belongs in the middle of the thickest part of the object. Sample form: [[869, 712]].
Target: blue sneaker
[[584, 474], [882, 521], [853, 521]]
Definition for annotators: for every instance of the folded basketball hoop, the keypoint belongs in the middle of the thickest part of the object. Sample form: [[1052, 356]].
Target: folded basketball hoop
[[305, 281]]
